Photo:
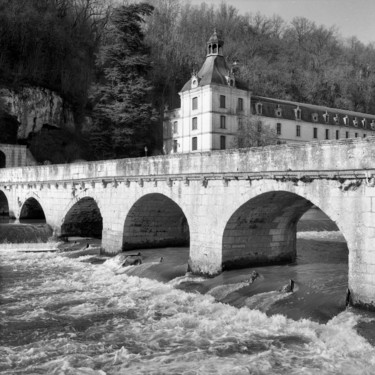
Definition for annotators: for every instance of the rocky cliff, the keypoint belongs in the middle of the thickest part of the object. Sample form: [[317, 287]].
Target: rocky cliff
[[36, 108]]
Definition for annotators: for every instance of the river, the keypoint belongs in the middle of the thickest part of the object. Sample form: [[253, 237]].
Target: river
[[87, 315]]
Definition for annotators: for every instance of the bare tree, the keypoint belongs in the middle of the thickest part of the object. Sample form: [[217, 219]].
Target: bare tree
[[253, 132]]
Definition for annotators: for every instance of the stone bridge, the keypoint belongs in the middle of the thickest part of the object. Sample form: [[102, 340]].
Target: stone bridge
[[235, 208]]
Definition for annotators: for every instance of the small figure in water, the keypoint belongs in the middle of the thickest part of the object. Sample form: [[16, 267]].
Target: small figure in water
[[288, 288], [161, 260]]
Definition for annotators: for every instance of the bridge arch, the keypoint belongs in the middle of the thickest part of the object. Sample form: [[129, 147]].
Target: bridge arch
[[3, 159], [155, 220], [83, 218], [4, 204], [32, 210], [262, 230]]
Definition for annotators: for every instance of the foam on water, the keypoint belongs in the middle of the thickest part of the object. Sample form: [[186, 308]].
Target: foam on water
[[63, 316], [188, 278], [335, 236], [222, 291], [263, 301]]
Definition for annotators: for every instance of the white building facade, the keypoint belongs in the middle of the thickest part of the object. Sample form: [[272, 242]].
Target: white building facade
[[214, 107]]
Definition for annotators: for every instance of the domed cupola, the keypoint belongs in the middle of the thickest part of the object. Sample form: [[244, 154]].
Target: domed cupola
[[215, 45]]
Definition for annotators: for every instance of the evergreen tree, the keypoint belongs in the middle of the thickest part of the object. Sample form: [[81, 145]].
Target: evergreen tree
[[122, 107]]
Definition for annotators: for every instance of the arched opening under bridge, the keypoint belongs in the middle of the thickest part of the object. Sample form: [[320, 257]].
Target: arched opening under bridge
[[301, 274], [263, 230], [32, 210], [155, 221], [83, 219], [4, 206], [2, 160]]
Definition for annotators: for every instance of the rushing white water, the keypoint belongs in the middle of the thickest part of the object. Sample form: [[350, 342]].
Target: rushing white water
[[63, 316], [323, 235]]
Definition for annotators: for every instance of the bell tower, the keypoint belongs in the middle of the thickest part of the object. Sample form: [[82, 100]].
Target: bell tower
[[215, 45]]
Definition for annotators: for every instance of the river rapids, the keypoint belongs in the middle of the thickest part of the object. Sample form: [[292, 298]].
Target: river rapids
[[62, 315]]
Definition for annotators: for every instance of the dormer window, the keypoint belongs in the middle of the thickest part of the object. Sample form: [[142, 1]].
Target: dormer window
[[230, 81], [278, 112], [355, 122], [364, 123], [297, 113], [315, 117], [372, 124], [336, 119], [326, 118], [346, 120], [194, 81], [258, 108]]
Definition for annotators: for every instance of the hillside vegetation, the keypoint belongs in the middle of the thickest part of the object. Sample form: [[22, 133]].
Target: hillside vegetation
[[123, 63]]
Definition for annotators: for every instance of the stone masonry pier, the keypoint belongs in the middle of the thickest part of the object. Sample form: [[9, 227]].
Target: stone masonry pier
[[236, 208]]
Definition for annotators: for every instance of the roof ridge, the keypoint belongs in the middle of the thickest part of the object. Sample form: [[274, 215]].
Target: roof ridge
[[315, 106]]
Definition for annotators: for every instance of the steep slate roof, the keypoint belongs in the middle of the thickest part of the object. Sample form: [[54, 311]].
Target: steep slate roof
[[270, 105], [214, 71]]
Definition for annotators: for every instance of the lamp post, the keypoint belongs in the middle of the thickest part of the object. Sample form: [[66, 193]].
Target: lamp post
[[146, 149]]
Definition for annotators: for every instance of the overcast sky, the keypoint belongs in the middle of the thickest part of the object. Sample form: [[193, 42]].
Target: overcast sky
[[351, 17]]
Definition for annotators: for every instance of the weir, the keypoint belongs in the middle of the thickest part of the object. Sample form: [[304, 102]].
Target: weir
[[236, 208]]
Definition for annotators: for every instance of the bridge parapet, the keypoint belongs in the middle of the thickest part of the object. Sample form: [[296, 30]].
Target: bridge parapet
[[353, 158]]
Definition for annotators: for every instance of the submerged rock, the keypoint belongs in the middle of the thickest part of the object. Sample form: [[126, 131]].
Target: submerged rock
[[126, 260], [288, 288]]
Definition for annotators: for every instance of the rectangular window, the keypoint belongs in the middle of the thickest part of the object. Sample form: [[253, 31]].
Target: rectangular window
[[175, 129], [278, 128], [337, 134], [298, 130], [175, 145], [222, 122], [315, 133], [195, 103], [346, 134], [356, 135], [327, 133], [240, 104], [195, 123], [222, 142], [240, 123], [194, 143], [222, 101]]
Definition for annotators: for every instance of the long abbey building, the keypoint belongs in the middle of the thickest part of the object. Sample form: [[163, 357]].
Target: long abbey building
[[215, 106]]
